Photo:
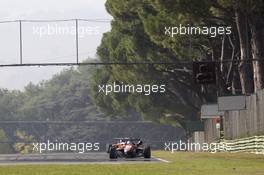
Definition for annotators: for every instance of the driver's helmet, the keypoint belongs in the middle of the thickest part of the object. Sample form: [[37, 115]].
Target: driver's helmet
[[140, 142], [129, 142]]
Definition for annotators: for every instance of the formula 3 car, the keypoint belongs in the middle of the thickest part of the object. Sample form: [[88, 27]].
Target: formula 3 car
[[128, 148]]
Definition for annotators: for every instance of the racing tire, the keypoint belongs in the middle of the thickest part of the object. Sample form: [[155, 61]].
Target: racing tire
[[147, 152], [112, 153], [108, 147]]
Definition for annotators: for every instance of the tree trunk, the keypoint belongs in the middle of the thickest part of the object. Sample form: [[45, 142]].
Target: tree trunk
[[257, 45], [236, 84], [245, 68]]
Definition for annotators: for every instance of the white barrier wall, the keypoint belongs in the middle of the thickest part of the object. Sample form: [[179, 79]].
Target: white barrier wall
[[249, 144]]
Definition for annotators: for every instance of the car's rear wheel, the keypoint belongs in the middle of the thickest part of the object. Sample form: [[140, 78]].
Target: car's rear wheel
[[147, 152], [108, 147], [112, 153]]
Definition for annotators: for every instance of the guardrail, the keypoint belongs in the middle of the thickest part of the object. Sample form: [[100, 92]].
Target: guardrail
[[253, 144]]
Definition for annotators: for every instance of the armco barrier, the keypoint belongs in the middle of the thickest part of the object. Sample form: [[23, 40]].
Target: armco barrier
[[253, 144]]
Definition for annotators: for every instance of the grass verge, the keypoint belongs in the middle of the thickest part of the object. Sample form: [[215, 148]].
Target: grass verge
[[181, 163]]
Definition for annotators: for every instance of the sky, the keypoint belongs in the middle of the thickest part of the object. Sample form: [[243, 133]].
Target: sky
[[47, 42]]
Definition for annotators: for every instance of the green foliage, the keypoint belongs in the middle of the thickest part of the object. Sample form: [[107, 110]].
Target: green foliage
[[137, 35], [25, 147], [5, 147], [67, 98], [63, 98]]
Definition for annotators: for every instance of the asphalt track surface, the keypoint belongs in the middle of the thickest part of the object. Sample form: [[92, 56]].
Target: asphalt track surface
[[70, 158]]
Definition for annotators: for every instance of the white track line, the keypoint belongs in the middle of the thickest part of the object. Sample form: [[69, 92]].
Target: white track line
[[162, 160]]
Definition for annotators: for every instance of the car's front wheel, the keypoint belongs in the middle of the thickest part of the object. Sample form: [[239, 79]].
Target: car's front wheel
[[147, 152]]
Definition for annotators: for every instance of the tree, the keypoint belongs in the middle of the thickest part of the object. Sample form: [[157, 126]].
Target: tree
[[137, 34], [249, 16], [133, 38]]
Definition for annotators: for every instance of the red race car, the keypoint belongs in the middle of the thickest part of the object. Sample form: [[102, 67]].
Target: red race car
[[128, 148]]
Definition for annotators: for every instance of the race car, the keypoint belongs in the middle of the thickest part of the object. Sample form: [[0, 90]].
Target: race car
[[128, 148]]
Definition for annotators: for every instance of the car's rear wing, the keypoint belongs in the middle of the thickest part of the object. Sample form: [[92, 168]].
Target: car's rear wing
[[124, 139]]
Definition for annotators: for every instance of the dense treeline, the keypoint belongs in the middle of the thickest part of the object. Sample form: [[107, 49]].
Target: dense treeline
[[138, 34], [65, 97]]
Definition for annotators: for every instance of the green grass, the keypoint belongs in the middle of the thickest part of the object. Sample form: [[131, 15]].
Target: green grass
[[183, 163]]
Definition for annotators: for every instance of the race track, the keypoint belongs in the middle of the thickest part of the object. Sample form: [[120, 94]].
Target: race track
[[70, 158]]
